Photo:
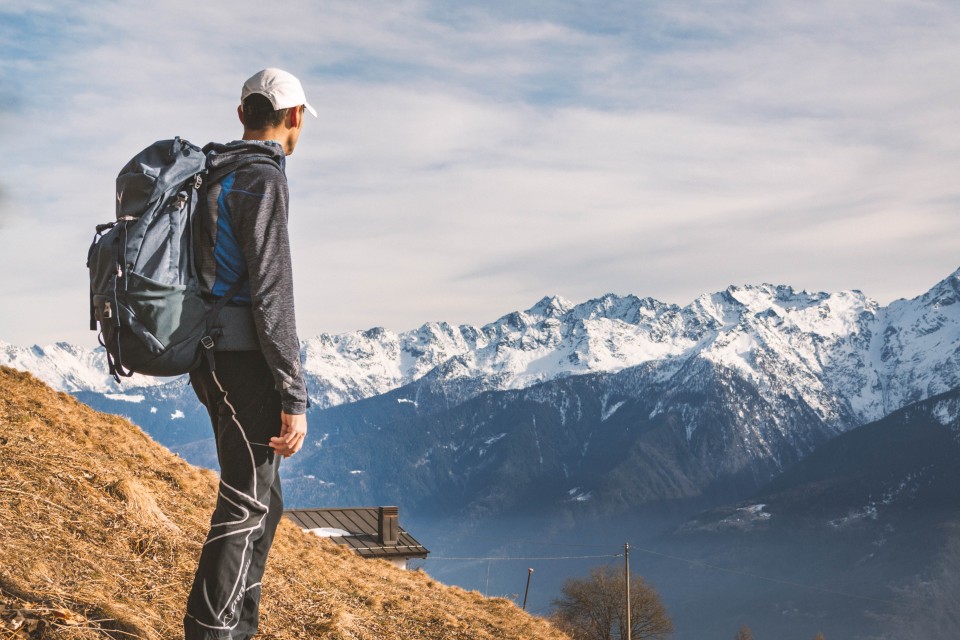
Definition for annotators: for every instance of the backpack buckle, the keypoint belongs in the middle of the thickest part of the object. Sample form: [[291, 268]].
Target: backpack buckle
[[207, 342]]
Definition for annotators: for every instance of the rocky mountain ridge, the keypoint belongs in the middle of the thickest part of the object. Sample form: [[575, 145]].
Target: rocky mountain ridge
[[619, 400], [867, 517], [849, 358]]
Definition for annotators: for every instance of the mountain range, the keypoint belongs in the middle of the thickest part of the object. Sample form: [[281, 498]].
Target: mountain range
[[740, 430], [581, 400], [845, 539]]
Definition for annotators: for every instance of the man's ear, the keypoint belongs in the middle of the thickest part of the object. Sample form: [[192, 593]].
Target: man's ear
[[240, 114], [294, 116]]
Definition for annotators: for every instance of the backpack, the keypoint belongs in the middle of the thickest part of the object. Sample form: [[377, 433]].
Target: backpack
[[144, 290]]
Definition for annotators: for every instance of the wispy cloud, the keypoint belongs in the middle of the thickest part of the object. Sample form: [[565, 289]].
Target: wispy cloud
[[472, 157]]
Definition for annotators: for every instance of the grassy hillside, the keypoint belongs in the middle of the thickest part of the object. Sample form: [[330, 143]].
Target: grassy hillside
[[100, 530]]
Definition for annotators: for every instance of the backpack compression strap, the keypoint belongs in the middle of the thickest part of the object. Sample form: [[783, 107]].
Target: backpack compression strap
[[208, 341]]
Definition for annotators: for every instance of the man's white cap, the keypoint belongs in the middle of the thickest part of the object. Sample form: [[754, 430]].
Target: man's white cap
[[282, 89]]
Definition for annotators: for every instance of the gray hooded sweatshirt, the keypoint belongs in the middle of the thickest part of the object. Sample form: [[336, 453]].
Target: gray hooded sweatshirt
[[241, 233]]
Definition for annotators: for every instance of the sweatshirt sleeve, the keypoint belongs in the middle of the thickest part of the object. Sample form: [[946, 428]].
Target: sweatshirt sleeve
[[261, 225]]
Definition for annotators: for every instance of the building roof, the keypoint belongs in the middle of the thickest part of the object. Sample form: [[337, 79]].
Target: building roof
[[361, 525]]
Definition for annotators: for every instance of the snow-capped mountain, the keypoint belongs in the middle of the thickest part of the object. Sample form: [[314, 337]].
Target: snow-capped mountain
[[846, 356], [724, 392], [70, 368], [850, 359]]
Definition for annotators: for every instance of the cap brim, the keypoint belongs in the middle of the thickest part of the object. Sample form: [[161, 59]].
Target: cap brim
[[312, 111]]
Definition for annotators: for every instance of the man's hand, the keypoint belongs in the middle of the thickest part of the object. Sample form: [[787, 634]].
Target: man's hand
[[293, 430]]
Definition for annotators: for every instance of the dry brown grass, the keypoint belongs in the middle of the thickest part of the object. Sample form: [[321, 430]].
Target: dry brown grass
[[100, 530]]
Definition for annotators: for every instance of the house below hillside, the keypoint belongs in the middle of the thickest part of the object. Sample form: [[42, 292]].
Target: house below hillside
[[372, 532]]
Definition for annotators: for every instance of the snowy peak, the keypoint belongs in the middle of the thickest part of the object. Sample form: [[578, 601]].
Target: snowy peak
[[70, 368], [349, 366], [550, 339], [550, 307], [842, 354], [610, 307], [918, 342], [943, 293]]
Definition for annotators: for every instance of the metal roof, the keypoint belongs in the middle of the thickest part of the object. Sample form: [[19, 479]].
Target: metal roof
[[362, 524]]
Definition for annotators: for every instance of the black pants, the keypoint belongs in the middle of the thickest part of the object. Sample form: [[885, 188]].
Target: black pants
[[244, 409]]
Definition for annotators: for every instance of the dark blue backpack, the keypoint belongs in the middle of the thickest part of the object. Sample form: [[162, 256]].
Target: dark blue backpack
[[144, 292]]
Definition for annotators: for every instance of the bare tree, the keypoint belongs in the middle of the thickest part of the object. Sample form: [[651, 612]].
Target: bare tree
[[744, 634], [594, 608]]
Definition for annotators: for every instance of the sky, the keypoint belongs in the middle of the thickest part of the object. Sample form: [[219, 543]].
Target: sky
[[471, 158]]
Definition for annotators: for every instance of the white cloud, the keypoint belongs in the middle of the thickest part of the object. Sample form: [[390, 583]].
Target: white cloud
[[471, 158]]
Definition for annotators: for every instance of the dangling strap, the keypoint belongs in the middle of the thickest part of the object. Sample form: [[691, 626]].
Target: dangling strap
[[114, 365]]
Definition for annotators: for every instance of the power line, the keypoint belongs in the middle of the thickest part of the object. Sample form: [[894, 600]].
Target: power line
[[500, 558], [688, 561]]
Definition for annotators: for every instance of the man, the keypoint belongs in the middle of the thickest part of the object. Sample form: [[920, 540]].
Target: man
[[253, 386]]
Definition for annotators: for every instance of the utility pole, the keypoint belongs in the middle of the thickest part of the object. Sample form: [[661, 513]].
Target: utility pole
[[529, 574], [626, 556]]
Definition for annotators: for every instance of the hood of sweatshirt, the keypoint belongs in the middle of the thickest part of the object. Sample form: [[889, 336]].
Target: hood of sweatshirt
[[226, 157]]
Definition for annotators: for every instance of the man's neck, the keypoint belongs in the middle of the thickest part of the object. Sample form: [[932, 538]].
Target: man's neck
[[273, 134]]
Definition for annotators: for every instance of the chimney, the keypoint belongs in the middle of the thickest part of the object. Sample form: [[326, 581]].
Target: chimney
[[388, 525]]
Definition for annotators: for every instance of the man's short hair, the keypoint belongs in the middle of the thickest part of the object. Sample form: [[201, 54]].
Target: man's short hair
[[258, 113]]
